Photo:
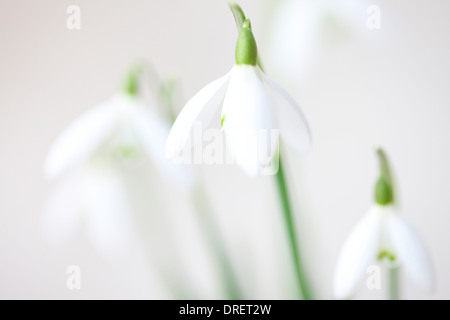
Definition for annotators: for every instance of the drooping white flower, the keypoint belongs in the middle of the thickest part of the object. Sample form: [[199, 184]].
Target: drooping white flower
[[124, 123], [92, 191], [382, 235], [251, 104]]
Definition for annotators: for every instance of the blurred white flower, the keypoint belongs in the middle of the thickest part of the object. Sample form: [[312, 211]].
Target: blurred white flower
[[302, 28], [251, 105], [123, 122], [382, 235], [92, 196], [122, 128]]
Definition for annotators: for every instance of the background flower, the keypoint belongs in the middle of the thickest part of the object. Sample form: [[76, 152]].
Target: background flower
[[90, 149], [382, 235], [303, 29]]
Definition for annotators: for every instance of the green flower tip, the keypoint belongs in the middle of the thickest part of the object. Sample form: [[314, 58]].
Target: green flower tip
[[383, 187], [246, 50], [131, 81]]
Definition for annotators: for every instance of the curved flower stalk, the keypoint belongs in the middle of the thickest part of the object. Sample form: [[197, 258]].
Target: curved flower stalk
[[120, 129], [251, 106], [382, 235]]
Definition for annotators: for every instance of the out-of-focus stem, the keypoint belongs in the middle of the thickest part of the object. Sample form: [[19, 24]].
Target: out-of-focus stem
[[393, 283], [213, 235], [292, 236]]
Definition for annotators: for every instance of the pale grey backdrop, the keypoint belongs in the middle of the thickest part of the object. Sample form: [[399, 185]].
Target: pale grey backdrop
[[389, 89]]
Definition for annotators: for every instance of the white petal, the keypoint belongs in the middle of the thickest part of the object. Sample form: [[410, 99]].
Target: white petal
[[201, 108], [62, 212], [248, 119], [152, 133], [81, 138], [108, 215], [292, 122], [358, 252], [411, 252]]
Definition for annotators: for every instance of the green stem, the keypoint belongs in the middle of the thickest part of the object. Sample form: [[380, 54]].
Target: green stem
[[290, 226], [212, 234], [166, 97], [393, 284], [162, 89]]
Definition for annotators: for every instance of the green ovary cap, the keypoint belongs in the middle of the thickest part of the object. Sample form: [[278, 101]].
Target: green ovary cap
[[246, 50], [383, 192], [131, 81]]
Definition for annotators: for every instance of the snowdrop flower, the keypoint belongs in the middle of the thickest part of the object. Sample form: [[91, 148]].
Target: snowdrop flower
[[303, 28], [382, 235], [251, 106], [86, 152], [123, 123]]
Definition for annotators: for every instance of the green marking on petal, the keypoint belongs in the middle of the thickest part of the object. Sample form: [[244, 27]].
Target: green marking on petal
[[222, 120], [126, 151], [386, 255]]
